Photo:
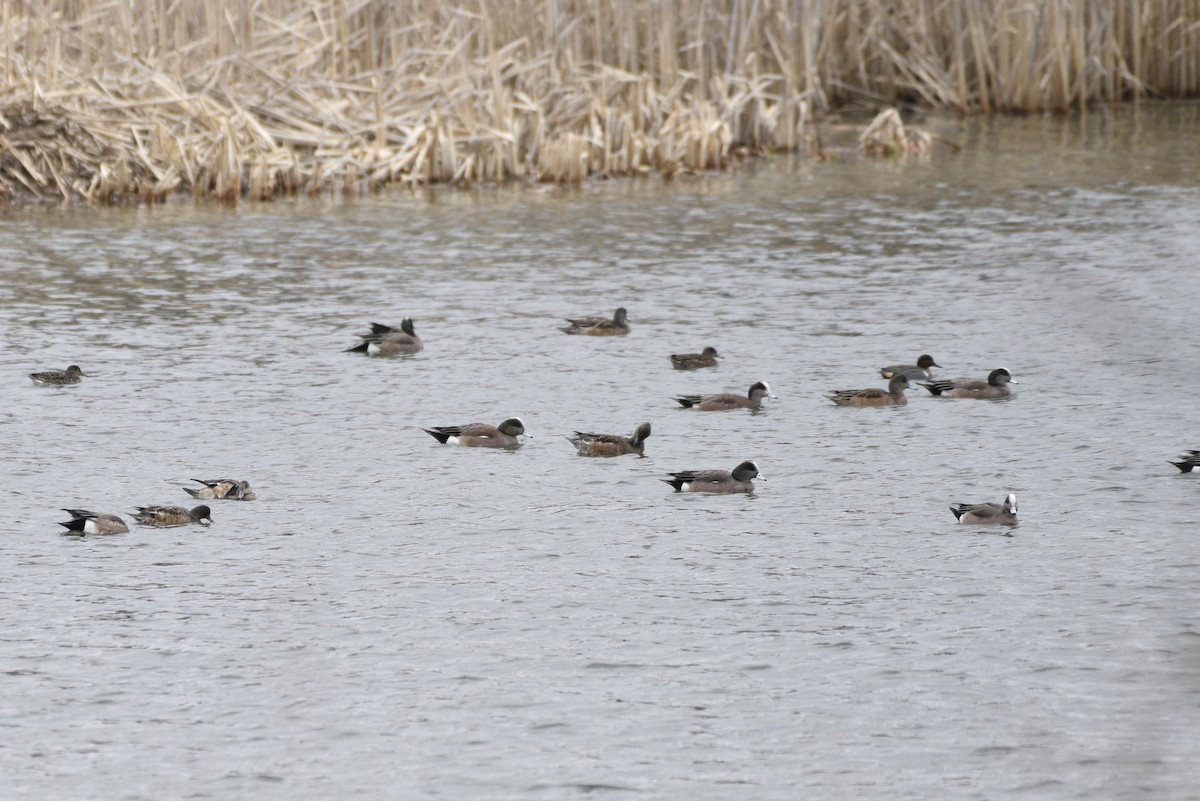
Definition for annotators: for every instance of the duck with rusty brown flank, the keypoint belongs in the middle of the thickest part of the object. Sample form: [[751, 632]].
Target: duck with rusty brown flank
[[994, 386], [694, 361], [999, 514], [599, 326], [84, 522], [383, 340], [753, 399], [915, 372], [58, 378], [892, 396], [215, 489], [611, 444], [172, 515], [480, 435]]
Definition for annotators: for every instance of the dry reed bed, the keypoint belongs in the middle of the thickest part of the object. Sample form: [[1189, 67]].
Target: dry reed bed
[[109, 99]]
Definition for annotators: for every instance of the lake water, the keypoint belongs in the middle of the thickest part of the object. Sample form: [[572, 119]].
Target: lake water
[[395, 618]]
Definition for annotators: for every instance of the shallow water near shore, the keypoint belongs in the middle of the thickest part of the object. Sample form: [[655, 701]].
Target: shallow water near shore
[[394, 618]]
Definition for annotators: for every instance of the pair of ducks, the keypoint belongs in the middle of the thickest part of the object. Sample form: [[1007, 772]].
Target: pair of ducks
[[84, 521], [589, 444], [739, 480], [384, 340], [619, 326], [902, 375]]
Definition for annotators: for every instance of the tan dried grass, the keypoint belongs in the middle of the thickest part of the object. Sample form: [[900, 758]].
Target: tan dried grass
[[887, 135], [117, 99]]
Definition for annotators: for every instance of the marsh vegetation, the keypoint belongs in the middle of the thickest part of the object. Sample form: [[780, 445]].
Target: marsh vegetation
[[110, 99]]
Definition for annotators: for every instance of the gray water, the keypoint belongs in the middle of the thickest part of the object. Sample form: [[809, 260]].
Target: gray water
[[395, 618]]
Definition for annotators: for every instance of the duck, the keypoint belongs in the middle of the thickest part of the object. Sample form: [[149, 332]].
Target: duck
[[599, 326], [85, 522], [753, 399], [1000, 514], [994, 386], [229, 489], [387, 341], [58, 378], [914, 372], [718, 481], [611, 444], [172, 515], [892, 396], [480, 435], [694, 361], [1188, 461]]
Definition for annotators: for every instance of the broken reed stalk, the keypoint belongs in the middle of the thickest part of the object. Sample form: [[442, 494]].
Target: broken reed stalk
[[887, 136], [117, 99]]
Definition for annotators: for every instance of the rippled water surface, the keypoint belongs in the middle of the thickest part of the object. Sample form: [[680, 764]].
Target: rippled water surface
[[395, 618]]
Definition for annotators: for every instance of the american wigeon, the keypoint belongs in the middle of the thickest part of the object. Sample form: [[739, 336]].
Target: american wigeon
[[611, 444], [892, 396], [995, 386], [215, 489], [86, 522], [753, 399], [599, 326], [480, 435], [914, 372], [722, 481], [1188, 461], [387, 341], [694, 361], [58, 378], [172, 515], [998, 514]]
